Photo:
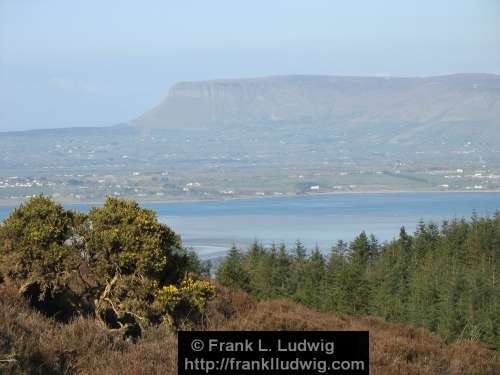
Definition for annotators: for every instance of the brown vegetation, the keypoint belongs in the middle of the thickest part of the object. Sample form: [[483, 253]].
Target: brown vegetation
[[34, 344]]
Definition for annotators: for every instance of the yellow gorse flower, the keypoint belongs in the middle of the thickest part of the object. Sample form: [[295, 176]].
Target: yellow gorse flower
[[196, 292]]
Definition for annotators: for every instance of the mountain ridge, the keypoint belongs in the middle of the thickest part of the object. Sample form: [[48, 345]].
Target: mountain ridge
[[329, 100]]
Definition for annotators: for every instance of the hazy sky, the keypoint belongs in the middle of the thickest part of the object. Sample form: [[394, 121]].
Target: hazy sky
[[93, 62]]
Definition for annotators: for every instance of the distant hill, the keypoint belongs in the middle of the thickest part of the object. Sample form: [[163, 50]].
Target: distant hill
[[465, 103], [274, 136]]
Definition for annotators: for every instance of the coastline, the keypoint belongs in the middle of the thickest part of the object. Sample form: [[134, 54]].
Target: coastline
[[12, 204]]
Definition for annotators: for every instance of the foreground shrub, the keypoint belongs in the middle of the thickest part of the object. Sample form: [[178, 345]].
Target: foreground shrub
[[114, 263], [37, 255], [185, 303]]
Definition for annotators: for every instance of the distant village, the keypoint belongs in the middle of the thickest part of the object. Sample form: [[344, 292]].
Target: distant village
[[162, 186], [85, 165]]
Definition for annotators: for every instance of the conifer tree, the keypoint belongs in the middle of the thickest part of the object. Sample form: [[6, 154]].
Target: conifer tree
[[280, 280], [231, 272]]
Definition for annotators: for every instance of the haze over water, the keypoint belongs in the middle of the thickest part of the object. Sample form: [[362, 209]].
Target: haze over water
[[211, 227]]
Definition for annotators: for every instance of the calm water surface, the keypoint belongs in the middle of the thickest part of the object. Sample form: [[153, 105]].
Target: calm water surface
[[211, 227]]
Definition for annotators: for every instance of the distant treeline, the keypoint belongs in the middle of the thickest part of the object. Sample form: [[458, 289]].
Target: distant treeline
[[444, 277]]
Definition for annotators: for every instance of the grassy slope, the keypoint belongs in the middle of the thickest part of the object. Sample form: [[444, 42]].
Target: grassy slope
[[31, 343]]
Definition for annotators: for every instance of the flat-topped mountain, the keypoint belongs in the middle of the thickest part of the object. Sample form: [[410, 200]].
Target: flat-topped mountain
[[274, 136], [414, 103]]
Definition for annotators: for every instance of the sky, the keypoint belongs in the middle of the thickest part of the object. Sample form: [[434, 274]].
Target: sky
[[97, 63]]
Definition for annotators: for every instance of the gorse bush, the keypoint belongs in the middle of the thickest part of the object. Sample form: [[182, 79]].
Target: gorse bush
[[186, 302], [36, 254], [114, 262]]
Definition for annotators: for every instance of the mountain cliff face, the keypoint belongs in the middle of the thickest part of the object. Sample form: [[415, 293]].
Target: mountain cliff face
[[414, 104]]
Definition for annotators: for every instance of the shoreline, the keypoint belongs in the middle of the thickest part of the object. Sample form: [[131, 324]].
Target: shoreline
[[8, 204]]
